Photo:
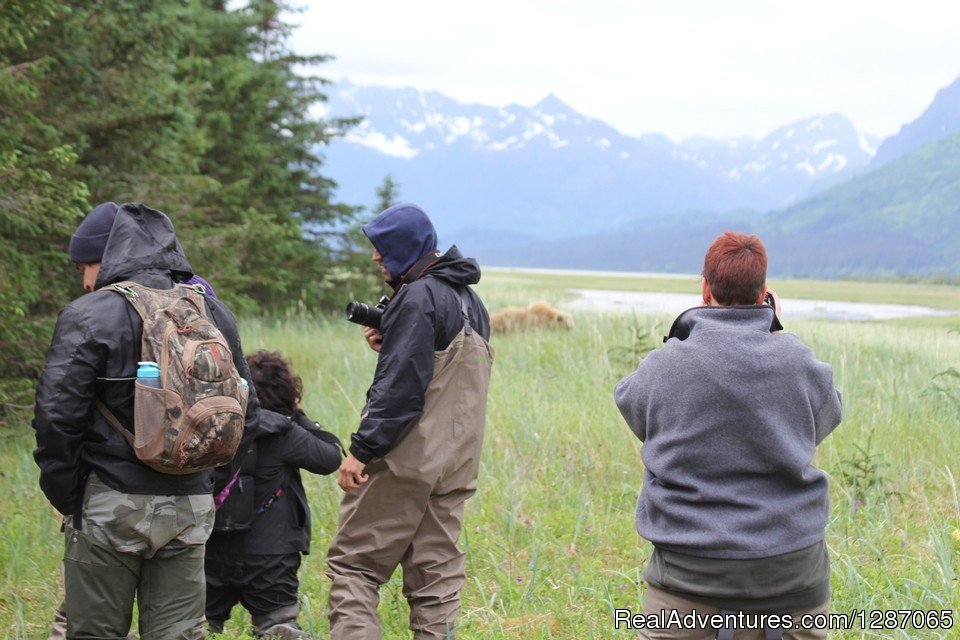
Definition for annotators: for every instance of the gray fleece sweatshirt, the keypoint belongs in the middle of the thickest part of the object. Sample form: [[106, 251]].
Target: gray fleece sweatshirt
[[730, 415]]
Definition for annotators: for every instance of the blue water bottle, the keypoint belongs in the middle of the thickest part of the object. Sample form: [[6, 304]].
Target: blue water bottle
[[148, 374]]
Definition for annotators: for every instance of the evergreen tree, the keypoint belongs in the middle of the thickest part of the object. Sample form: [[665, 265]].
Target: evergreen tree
[[266, 234], [39, 204], [114, 93], [189, 106], [388, 193]]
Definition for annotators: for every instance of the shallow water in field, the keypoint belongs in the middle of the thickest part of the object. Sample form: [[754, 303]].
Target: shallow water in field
[[793, 309]]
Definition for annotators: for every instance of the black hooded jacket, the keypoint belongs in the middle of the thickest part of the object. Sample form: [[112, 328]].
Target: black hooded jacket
[[284, 445], [94, 354], [423, 317]]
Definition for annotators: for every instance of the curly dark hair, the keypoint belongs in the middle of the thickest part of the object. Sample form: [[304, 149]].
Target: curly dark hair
[[278, 387]]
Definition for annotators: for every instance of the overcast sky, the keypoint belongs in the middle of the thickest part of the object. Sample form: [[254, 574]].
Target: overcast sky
[[720, 68]]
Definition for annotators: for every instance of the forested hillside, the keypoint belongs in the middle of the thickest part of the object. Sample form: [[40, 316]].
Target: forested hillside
[[196, 108], [899, 219]]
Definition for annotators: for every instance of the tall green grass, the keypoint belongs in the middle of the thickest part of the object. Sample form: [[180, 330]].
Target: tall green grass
[[552, 549]]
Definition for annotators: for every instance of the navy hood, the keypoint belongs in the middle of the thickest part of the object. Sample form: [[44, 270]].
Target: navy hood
[[141, 239], [402, 235]]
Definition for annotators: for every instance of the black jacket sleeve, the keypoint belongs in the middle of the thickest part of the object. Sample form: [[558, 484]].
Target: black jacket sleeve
[[306, 446], [64, 406], [404, 370]]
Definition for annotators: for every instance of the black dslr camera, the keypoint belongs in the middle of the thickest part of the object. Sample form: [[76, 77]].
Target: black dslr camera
[[365, 314]]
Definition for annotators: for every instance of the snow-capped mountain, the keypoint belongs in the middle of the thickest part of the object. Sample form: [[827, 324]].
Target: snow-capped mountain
[[788, 162], [405, 123], [547, 171]]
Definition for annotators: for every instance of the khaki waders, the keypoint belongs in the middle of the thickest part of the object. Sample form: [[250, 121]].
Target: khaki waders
[[657, 600], [410, 510]]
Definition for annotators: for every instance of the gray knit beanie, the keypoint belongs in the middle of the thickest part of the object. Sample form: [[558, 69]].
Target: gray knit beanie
[[90, 239]]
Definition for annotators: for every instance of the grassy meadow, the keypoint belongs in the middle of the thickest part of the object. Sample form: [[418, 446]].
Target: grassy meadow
[[552, 549]]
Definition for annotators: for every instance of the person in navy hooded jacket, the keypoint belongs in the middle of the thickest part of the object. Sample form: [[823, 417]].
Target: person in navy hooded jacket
[[414, 459]]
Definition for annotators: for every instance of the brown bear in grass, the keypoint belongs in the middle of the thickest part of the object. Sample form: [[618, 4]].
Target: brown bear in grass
[[539, 315]]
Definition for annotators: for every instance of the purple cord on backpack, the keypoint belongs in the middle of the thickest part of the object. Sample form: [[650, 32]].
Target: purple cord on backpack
[[195, 279], [219, 499]]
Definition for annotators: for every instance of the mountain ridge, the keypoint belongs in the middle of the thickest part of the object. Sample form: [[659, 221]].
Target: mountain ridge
[[902, 219], [940, 119], [546, 186]]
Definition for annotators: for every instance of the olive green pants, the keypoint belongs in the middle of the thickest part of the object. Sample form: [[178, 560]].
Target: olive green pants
[[136, 547]]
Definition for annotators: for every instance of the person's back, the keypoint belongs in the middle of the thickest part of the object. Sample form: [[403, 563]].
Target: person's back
[[739, 411], [263, 526], [87, 468], [730, 412]]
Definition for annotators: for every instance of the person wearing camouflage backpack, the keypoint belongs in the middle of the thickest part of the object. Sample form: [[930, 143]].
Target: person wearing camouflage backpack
[[132, 532]]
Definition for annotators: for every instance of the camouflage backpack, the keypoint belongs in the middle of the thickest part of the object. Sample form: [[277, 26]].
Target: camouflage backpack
[[194, 421]]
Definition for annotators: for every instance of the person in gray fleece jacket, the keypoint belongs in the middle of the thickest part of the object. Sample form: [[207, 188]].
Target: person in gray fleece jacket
[[730, 412]]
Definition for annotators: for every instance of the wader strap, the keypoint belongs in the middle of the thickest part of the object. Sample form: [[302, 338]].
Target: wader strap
[[726, 633], [467, 329], [78, 508]]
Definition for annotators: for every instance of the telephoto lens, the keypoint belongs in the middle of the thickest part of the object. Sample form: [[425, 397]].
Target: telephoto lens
[[364, 314]]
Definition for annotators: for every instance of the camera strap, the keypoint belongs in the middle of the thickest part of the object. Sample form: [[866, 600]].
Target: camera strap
[[419, 268]]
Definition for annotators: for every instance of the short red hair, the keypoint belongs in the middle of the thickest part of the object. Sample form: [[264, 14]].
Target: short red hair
[[735, 268]]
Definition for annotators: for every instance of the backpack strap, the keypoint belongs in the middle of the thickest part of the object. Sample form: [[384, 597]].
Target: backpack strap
[[128, 289], [114, 422], [132, 292], [199, 288]]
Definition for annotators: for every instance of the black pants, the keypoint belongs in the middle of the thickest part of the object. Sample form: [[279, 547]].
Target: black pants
[[261, 583]]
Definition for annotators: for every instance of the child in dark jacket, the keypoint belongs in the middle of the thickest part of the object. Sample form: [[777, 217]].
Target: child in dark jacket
[[263, 525]]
